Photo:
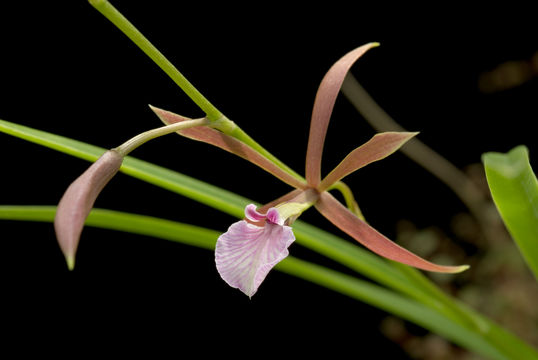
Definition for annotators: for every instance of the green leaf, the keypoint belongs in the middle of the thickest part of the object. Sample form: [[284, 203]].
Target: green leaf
[[121, 221], [309, 236], [514, 188], [484, 341], [398, 305], [220, 199], [374, 295], [225, 201]]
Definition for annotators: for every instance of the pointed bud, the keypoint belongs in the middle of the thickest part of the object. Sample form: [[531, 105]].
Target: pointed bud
[[78, 200]]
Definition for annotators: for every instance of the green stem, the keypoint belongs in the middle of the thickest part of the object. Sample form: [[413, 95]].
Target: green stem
[[348, 198], [213, 114], [110, 12], [131, 144], [239, 134]]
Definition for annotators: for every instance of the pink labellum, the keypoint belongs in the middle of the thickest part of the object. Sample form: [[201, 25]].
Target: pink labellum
[[78, 200], [246, 253], [377, 148], [323, 107], [230, 144], [252, 215], [344, 219]]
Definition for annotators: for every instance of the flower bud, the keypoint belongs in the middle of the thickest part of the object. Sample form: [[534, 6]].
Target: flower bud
[[78, 200]]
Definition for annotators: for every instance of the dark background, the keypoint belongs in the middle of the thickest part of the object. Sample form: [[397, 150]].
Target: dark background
[[65, 69]]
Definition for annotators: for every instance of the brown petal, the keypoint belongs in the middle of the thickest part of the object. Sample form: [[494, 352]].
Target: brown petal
[[78, 200], [377, 148], [230, 144], [323, 107], [335, 212]]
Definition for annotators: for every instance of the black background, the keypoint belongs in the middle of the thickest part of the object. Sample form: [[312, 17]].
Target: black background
[[65, 69]]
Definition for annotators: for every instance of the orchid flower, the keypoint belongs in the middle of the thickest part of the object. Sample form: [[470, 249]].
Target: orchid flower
[[253, 246]]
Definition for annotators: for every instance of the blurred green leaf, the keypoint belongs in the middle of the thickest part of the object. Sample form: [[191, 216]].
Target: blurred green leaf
[[514, 188]]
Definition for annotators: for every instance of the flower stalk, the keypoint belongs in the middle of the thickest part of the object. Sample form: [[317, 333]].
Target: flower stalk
[[112, 14], [219, 121], [131, 144]]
